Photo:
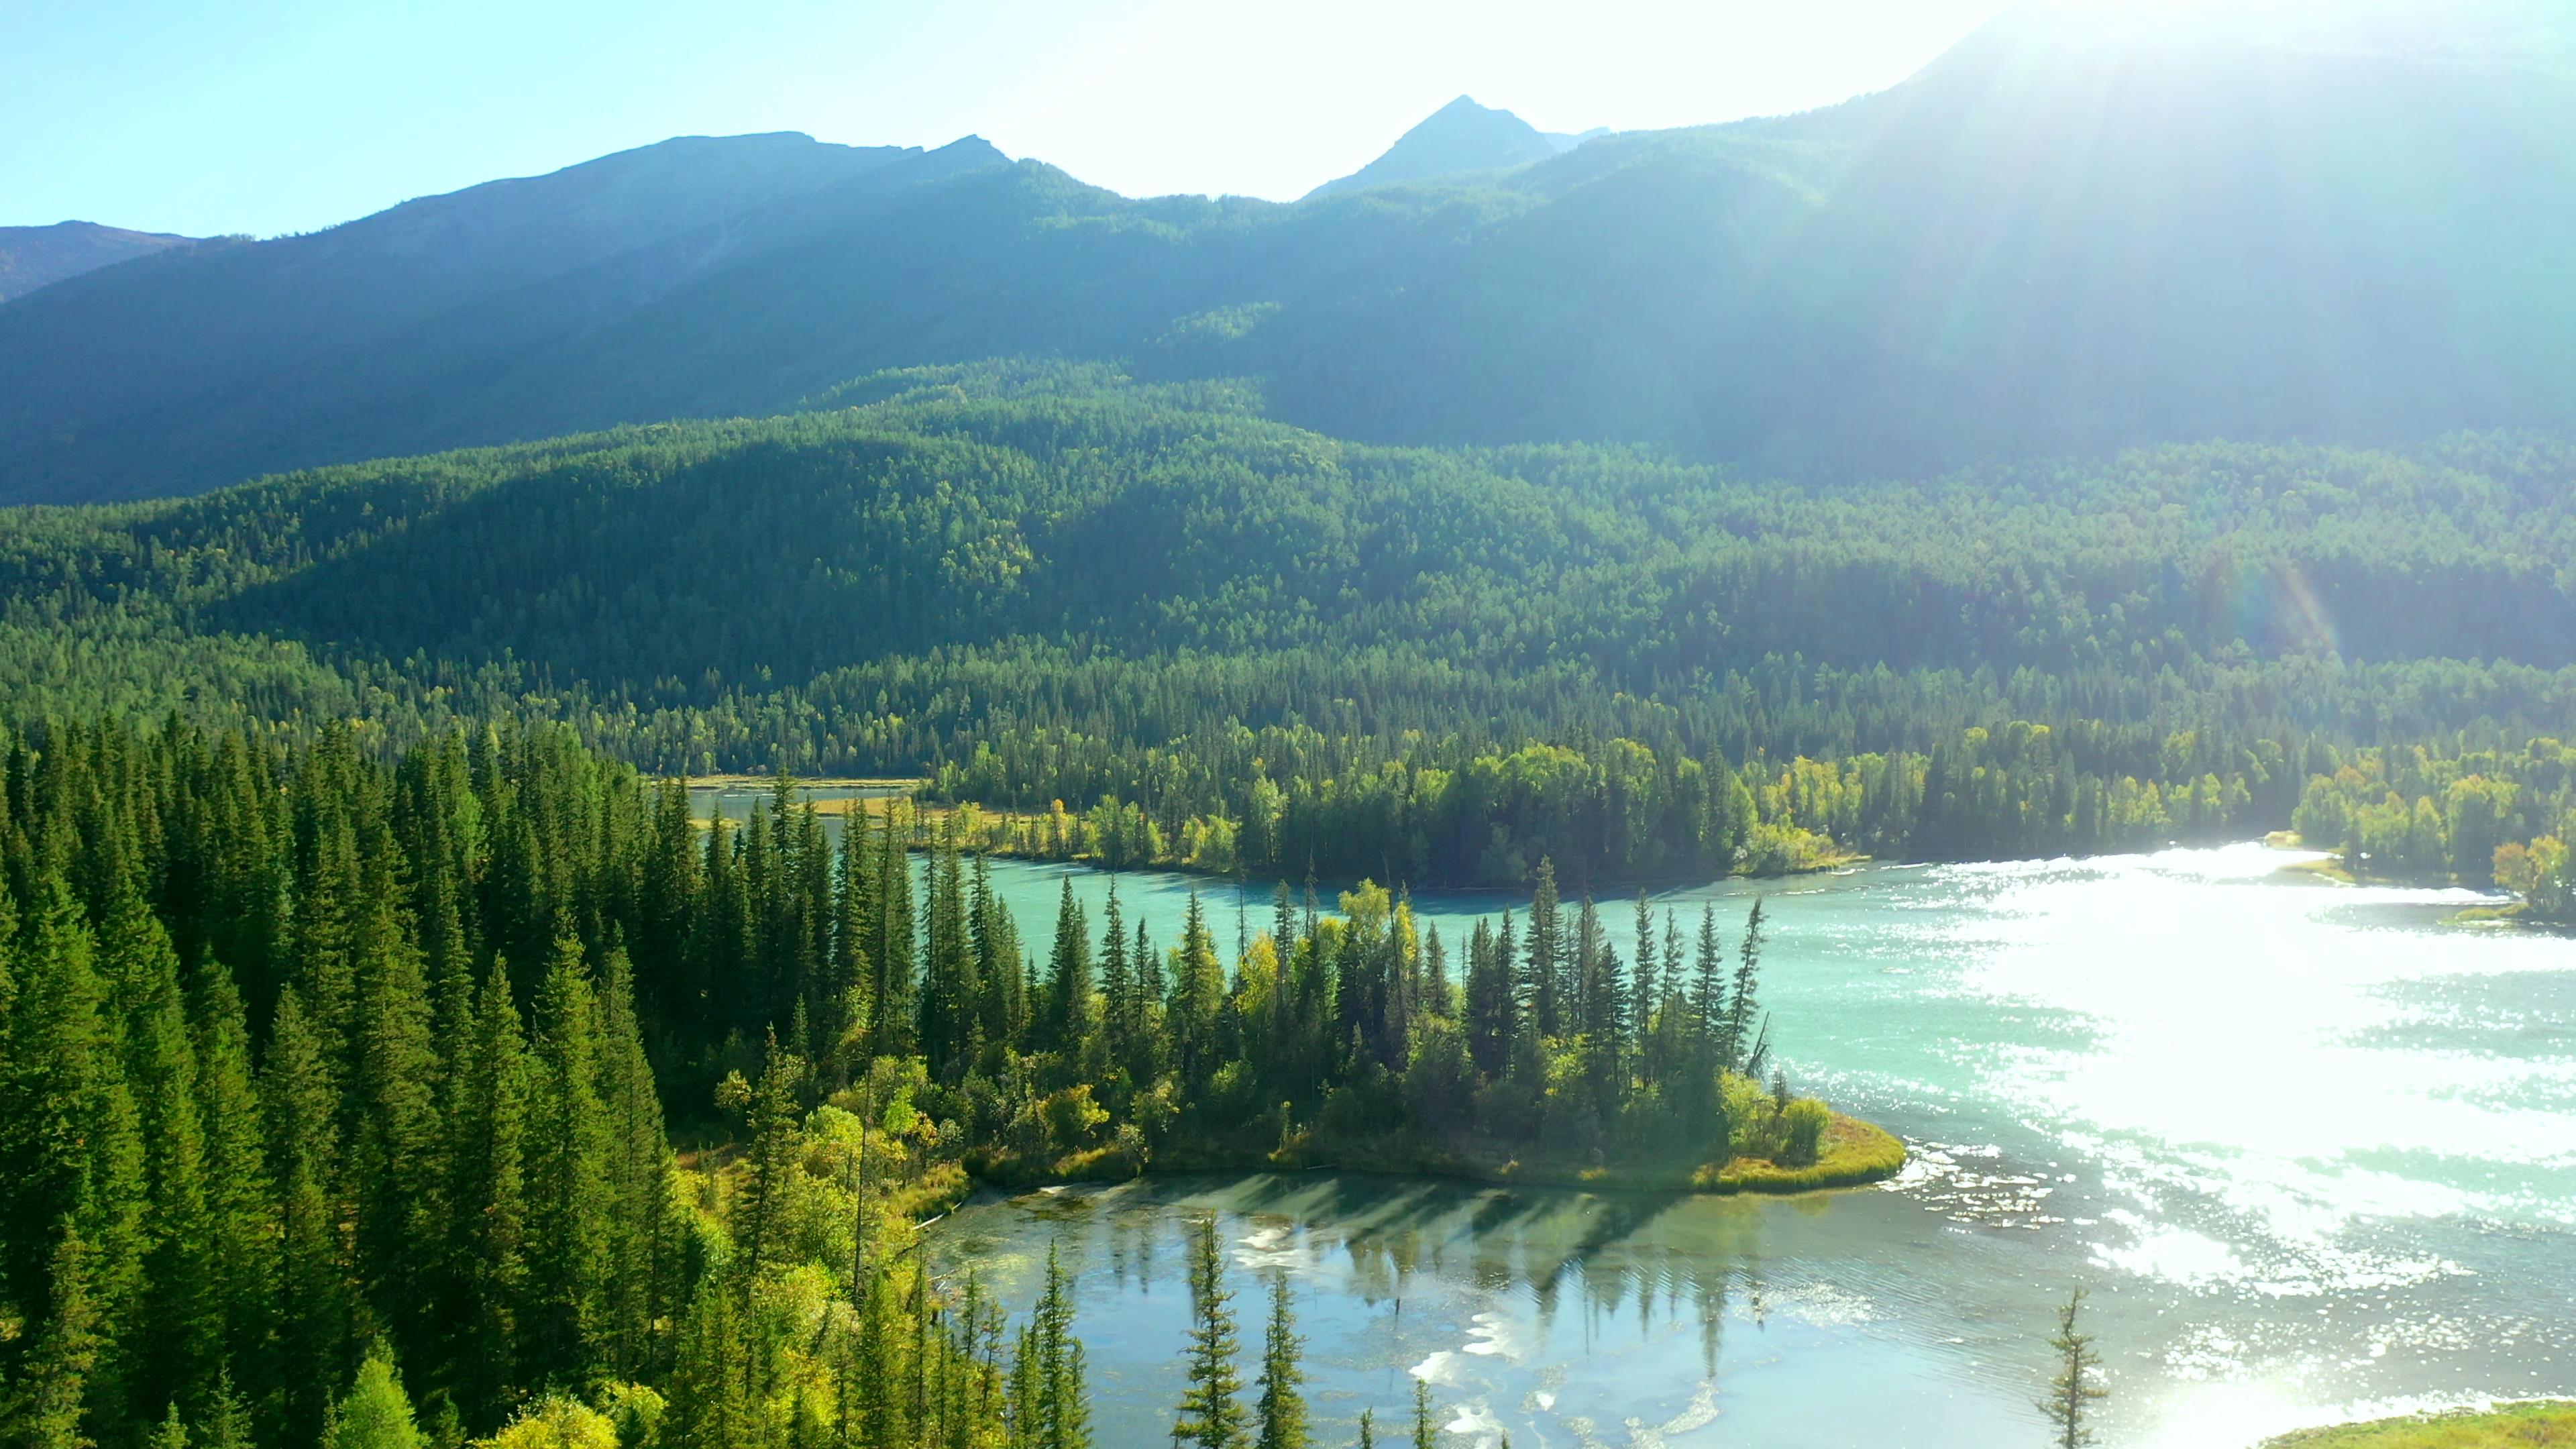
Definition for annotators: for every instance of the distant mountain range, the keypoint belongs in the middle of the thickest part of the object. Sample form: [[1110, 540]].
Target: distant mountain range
[[39, 256], [2080, 229]]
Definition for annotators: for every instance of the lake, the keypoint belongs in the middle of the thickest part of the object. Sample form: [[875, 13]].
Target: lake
[[2312, 1151]]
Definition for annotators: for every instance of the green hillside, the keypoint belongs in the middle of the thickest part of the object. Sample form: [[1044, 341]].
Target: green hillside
[[1047, 583]]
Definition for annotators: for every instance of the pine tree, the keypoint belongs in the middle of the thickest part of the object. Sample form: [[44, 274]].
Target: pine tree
[[1735, 1043], [1051, 1407], [2073, 1392], [772, 1157], [392, 1164], [487, 1232], [181, 1320], [639, 1167], [172, 1432], [313, 1324], [568, 1191], [78, 1202], [48, 1402], [891, 999], [1281, 1409], [1198, 999], [1426, 1431], [226, 1422], [1708, 984], [1546, 1005], [1066, 1017], [949, 1028], [1210, 1416], [375, 1413], [241, 1208]]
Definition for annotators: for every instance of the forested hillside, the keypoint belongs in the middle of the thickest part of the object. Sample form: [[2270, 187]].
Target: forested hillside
[[1046, 584], [2056, 238]]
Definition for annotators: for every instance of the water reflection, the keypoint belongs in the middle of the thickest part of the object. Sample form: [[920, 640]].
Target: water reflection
[[2314, 1152]]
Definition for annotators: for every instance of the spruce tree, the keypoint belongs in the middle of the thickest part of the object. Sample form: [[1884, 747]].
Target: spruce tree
[[487, 1231], [180, 1346], [70, 1129], [638, 1181], [1280, 1412], [241, 1206], [1210, 1415], [1066, 1017], [48, 1402], [375, 1413], [392, 1163], [1735, 1042], [303, 1154], [2071, 1395], [568, 1192], [1546, 1004]]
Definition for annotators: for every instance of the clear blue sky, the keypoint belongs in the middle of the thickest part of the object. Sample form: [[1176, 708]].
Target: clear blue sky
[[268, 116]]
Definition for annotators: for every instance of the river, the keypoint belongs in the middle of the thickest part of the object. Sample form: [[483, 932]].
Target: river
[[2312, 1152]]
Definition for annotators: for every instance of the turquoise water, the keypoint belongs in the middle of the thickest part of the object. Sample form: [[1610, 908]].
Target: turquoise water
[[2313, 1153]]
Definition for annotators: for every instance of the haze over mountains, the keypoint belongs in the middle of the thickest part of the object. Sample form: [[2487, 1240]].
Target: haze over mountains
[[2348, 228], [1460, 138], [39, 256]]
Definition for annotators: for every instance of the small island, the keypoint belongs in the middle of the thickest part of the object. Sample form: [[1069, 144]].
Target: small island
[[1534, 1051]]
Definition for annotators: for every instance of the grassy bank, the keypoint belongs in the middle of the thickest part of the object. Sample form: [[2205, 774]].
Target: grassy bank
[[2511, 1426], [1854, 1154]]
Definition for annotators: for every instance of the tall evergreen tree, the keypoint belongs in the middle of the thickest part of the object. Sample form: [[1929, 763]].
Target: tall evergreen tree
[[303, 1154], [487, 1232], [568, 1190], [1211, 1417], [241, 1209], [1735, 1040], [1280, 1412], [1066, 1018]]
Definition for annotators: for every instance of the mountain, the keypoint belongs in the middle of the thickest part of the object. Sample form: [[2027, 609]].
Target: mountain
[[239, 357], [2079, 230], [39, 256], [1458, 139]]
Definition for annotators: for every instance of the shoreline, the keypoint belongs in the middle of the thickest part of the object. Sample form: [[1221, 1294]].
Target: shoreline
[[1855, 1154], [2519, 1423]]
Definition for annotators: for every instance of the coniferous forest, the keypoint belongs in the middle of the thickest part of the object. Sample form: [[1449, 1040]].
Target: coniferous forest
[[338, 1087], [1216, 641]]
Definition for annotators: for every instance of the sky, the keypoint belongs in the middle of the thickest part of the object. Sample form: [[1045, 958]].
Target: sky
[[275, 116]]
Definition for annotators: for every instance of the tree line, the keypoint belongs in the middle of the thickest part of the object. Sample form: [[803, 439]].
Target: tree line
[[1040, 586]]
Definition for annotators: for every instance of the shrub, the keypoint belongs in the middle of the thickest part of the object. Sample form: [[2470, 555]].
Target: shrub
[[1803, 1131]]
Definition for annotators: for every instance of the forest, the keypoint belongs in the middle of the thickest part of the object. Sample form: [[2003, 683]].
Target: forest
[[1046, 585], [323, 1069]]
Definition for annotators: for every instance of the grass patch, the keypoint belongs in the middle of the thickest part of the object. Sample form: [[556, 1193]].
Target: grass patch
[[1854, 1154], [2509, 1426]]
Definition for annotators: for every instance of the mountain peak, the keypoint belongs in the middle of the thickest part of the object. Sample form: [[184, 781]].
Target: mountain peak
[[39, 256], [1460, 137]]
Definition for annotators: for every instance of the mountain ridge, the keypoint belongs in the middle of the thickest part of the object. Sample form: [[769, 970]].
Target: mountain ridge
[[2034, 246], [35, 257]]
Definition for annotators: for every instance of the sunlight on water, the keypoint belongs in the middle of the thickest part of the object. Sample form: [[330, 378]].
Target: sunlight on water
[[2313, 1150]]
